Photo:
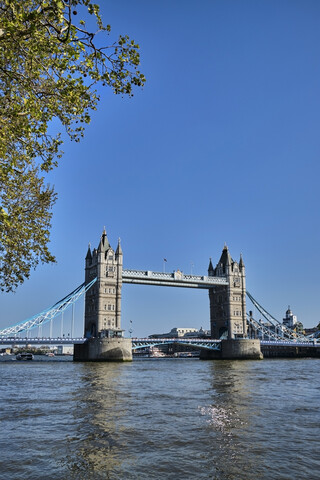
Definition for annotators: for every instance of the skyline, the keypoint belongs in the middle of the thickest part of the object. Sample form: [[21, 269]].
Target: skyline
[[221, 146]]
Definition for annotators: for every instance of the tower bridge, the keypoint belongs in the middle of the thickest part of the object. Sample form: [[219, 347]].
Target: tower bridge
[[104, 276], [225, 284]]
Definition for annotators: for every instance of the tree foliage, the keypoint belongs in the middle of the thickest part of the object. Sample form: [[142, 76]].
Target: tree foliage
[[50, 63]]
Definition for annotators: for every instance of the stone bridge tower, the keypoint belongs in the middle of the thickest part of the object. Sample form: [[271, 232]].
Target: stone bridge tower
[[102, 317], [228, 302], [103, 299]]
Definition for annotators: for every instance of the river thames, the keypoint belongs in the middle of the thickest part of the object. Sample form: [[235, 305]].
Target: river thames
[[160, 419]]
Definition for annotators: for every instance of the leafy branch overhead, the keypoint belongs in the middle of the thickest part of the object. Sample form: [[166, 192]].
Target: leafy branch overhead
[[50, 63]]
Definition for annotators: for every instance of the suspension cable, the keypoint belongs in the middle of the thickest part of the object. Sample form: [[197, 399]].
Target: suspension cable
[[49, 313], [274, 321]]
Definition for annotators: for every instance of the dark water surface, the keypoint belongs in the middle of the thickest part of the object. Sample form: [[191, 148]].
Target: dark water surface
[[160, 419]]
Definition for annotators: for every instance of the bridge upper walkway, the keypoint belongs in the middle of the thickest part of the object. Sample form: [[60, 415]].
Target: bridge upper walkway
[[175, 279]]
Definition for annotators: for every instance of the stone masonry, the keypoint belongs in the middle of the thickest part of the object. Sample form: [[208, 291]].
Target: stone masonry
[[228, 302], [103, 300]]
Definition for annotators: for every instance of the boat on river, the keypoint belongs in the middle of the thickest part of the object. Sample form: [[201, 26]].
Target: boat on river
[[24, 356]]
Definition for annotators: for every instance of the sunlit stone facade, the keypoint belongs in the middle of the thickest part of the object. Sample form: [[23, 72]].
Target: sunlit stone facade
[[103, 299], [228, 302]]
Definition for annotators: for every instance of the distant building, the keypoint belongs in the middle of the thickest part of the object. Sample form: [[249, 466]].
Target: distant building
[[180, 332], [6, 351], [290, 320], [65, 350], [310, 331]]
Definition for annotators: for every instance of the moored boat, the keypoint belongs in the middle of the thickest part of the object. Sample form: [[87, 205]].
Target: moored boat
[[24, 356]]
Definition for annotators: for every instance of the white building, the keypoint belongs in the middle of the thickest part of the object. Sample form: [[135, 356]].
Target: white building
[[290, 320], [65, 350], [179, 332]]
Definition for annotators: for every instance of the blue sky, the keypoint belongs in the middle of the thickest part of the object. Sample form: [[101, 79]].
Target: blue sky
[[221, 145]]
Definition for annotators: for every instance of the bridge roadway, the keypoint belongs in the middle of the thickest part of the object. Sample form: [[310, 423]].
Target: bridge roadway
[[209, 343], [206, 343], [41, 341], [147, 342], [136, 342], [175, 279]]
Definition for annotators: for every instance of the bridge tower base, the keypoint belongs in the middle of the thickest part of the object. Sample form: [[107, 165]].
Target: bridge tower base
[[235, 349], [116, 349]]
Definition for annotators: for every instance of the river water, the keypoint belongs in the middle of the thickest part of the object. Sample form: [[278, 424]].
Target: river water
[[160, 419]]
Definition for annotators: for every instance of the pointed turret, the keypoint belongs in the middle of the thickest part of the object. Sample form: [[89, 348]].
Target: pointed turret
[[241, 263], [225, 258], [89, 255], [119, 249], [210, 269], [104, 242], [119, 258]]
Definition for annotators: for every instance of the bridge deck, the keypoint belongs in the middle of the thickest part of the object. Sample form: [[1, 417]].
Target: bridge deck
[[144, 342], [41, 341], [175, 279]]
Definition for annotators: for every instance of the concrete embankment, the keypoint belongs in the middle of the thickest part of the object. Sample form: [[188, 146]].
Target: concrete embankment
[[290, 351], [245, 349]]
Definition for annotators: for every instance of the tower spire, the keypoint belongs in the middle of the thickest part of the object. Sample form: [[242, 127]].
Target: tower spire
[[119, 249], [225, 258], [210, 268], [89, 256], [104, 242]]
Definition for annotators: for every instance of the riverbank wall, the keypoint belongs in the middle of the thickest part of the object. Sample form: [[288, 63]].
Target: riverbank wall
[[290, 351]]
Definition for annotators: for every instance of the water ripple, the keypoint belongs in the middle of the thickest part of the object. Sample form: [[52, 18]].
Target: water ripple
[[178, 419]]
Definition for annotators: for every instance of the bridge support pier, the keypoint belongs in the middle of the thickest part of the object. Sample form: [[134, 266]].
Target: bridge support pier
[[235, 349], [115, 349]]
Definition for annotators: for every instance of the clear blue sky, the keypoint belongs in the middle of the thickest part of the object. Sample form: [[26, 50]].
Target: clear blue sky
[[222, 145]]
